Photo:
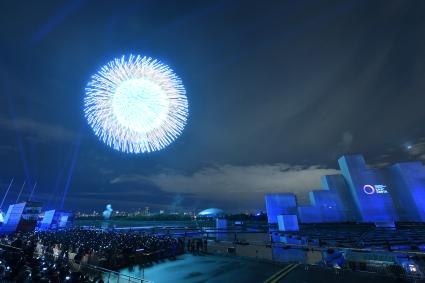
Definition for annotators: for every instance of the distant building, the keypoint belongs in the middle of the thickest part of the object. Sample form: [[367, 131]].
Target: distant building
[[211, 212]]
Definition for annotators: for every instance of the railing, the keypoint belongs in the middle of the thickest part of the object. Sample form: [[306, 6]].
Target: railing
[[110, 275], [272, 252], [10, 247]]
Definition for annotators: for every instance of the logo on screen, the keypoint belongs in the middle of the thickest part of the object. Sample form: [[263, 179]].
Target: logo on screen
[[375, 189]]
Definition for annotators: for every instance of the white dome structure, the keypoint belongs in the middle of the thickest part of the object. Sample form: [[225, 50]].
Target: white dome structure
[[211, 212]]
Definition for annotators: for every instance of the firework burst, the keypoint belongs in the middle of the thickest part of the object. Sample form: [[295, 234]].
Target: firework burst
[[136, 104]]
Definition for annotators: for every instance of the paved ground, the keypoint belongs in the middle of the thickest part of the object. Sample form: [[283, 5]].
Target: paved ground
[[214, 269], [253, 251], [316, 275], [206, 268]]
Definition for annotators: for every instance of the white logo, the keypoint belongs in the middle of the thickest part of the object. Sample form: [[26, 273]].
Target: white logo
[[372, 189]]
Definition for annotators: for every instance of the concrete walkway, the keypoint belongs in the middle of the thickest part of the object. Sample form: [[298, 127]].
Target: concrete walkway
[[206, 268]]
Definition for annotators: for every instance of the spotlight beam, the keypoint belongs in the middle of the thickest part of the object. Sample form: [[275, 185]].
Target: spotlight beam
[[20, 192], [5, 195]]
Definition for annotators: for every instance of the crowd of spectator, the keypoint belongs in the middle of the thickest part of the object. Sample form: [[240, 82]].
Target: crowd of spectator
[[22, 265], [50, 256]]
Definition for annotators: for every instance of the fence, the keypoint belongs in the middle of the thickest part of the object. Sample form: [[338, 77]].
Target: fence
[[110, 275], [313, 257]]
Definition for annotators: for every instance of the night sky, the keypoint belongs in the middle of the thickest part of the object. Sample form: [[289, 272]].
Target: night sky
[[277, 91]]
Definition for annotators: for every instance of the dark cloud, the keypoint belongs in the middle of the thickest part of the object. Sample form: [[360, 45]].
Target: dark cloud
[[41, 132], [416, 150], [346, 142], [227, 183]]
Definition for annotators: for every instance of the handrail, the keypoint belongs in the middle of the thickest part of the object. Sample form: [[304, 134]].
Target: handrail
[[416, 275], [9, 246], [119, 274]]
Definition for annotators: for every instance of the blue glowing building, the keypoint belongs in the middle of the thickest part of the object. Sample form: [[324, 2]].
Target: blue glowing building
[[55, 219], [21, 217], [280, 204], [338, 185], [408, 190], [368, 189], [309, 214], [328, 205], [287, 222], [360, 194]]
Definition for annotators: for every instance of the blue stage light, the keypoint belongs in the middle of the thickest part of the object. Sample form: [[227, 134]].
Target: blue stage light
[[136, 104]]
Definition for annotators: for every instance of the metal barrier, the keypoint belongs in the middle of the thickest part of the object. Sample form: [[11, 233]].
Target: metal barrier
[[261, 251], [110, 275]]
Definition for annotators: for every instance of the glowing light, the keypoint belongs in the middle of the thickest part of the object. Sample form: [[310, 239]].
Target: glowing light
[[136, 104], [369, 189]]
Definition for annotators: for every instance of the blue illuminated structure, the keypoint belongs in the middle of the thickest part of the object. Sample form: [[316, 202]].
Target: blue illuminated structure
[[55, 219], [369, 190], [287, 222], [309, 214], [280, 204], [409, 190], [47, 220], [21, 217], [360, 194], [338, 185], [12, 218], [328, 204]]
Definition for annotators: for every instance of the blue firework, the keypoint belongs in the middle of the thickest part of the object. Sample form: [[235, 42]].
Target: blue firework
[[136, 104]]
